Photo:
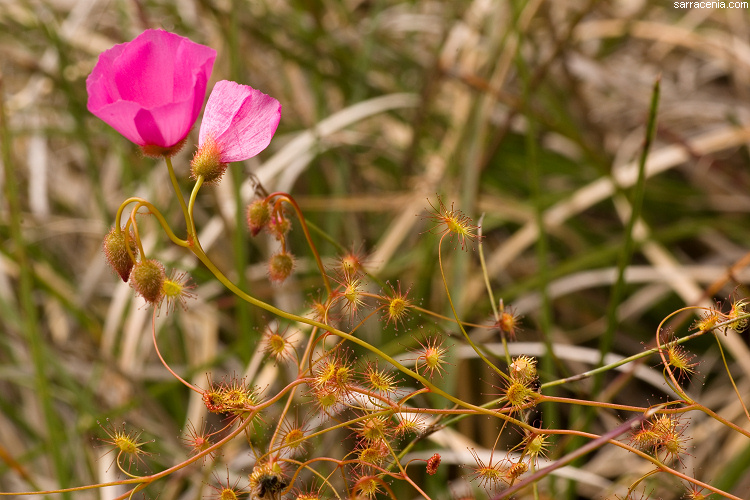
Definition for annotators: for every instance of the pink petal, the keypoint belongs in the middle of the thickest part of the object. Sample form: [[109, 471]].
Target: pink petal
[[241, 119], [152, 88]]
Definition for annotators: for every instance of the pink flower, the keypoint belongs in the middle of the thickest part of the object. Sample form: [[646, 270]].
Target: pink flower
[[151, 90], [238, 123]]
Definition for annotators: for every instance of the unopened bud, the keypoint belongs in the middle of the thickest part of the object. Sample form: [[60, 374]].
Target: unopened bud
[[207, 162], [147, 279], [279, 226], [280, 266], [258, 216], [116, 252]]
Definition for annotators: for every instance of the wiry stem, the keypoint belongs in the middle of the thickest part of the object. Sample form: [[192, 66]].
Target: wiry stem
[[288, 198], [455, 314], [169, 369]]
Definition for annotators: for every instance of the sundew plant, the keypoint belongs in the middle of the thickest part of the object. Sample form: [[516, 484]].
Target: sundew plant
[[442, 307]]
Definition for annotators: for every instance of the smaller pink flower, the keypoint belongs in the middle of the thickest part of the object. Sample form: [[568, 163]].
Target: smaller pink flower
[[151, 89], [238, 123]]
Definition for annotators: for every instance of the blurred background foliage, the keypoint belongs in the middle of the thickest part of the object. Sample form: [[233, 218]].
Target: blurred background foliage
[[519, 112]]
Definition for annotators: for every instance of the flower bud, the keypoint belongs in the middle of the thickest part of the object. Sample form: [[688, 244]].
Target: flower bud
[[147, 279], [207, 162], [280, 266], [258, 216], [115, 248], [279, 226]]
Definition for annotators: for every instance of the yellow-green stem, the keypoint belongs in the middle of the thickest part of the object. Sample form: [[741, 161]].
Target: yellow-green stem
[[191, 203], [178, 193], [731, 379], [487, 284], [455, 314], [155, 212]]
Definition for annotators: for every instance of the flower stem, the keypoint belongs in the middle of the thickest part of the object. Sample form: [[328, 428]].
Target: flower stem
[[191, 205], [288, 198], [731, 379], [455, 314], [178, 193], [486, 277], [158, 352]]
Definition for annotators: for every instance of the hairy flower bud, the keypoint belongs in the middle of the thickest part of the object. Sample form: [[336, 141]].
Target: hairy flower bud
[[116, 251], [207, 162], [258, 216], [279, 226], [280, 266], [147, 279]]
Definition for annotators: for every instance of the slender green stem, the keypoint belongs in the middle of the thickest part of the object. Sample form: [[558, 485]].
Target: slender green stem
[[306, 465], [455, 314], [605, 341], [136, 234], [731, 379], [585, 402], [487, 284], [153, 211], [191, 204], [443, 317], [178, 193], [623, 361], [633, 486]]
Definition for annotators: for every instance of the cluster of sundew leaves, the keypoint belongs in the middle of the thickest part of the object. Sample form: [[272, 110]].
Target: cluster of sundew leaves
[[232, 395], [339, 389], [714, 317], [369, 393], [663, 436], [681, 362], [337, 385]]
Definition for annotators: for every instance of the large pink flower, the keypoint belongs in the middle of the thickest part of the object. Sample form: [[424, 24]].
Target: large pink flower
[[151, 89], [238, 123]]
